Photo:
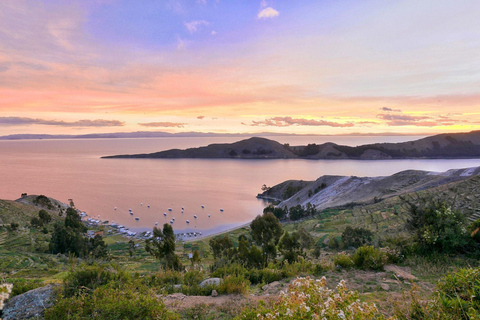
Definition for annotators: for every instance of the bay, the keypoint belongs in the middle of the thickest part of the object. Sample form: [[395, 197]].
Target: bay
[[65, 169]]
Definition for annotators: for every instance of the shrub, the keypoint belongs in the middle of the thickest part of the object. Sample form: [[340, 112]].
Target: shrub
[[266, 275], [368, 257], [14, 226], [343, 260], [311, 299], [107, 303], [87, 278], [356, 237], [234, 284]]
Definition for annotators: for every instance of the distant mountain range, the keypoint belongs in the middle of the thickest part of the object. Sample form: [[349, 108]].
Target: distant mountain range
[[442, 146], [161, 134]]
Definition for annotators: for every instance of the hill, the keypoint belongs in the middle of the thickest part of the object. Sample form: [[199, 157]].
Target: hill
[[442, 146], [253, 148], [341, 191]]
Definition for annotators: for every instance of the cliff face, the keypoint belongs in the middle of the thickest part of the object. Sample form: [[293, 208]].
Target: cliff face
[[458, 145], [337, 191]]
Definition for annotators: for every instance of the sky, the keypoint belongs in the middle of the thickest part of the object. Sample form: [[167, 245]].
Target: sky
[[305, 67]]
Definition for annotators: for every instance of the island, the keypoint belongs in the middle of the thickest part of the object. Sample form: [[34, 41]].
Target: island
[[442, 146]]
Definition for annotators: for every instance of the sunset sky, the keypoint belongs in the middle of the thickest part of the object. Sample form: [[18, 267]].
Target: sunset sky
[[309, 67]]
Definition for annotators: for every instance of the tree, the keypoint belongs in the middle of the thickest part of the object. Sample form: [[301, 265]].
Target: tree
[[44, 216], [356, 237], [36, 222], [68, 240], [97, 247], [162, 247], [195, 257], [131, 247], [14, 226], [221, 247], [266, 231], [74, 221], [289, 247]]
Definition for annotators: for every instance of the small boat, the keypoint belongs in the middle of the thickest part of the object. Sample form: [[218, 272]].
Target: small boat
[[221, 210], [141, 203], [169, 209], [137, 218], [171, 221], [203, 206], [209, 216], [131, 213], [156, 223], [188, 221], [129, 209], [173, 218], [183, 208], [195, 216], [148, 206], [115, 208], [165, 214]]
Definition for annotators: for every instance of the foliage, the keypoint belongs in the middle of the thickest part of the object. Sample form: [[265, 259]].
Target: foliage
[[311, 299], [44, 216], [109, 303], [14, 226], [368, 257], [21, 285], [221, 247], [457, 296], [298, 212], [36, 222], [356, 237], [278, 212], [266, 231], [343, 260], [74, 221], [97, 247], [266, 275], [68, 240], [162, 246], [89, 277], [437, 227], [234, 284], [43, 201]]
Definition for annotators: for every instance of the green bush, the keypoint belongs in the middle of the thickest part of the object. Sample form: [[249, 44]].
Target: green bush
[[356, 237], [87, 278], [234, 284], [459, 294], [23, 285], [343, 260], [368, 257], [266, 275], [231, 269], [107, 303]]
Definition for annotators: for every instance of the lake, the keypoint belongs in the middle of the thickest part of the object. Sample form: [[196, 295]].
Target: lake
[[64, 169]]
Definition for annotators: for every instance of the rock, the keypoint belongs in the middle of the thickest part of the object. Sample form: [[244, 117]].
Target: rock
[[385, 286], [400, 272], [210, 281], [176, 296], [30, 304], [214, 293]]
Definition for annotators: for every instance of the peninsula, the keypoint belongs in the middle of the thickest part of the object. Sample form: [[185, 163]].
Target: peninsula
[[442, 146]]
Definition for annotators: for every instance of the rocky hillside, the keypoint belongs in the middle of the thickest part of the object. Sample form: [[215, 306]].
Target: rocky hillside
[[339, 191], [445, 146]]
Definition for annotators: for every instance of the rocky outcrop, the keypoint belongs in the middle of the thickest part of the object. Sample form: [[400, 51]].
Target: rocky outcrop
[[30, 304]]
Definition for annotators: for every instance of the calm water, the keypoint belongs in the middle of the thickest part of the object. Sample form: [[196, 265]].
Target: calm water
[[65, 169]]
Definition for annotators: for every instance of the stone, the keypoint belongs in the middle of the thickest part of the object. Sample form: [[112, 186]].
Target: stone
[[214, 293], [30, 304], [385, 286], [210, 281]]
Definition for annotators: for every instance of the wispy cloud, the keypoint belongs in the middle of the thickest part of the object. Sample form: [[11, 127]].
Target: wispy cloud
[[164, 124], [193, 26], [200, 117], [289, 121], [390, 109], [419, 121], [268, 13], [15, 121]]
